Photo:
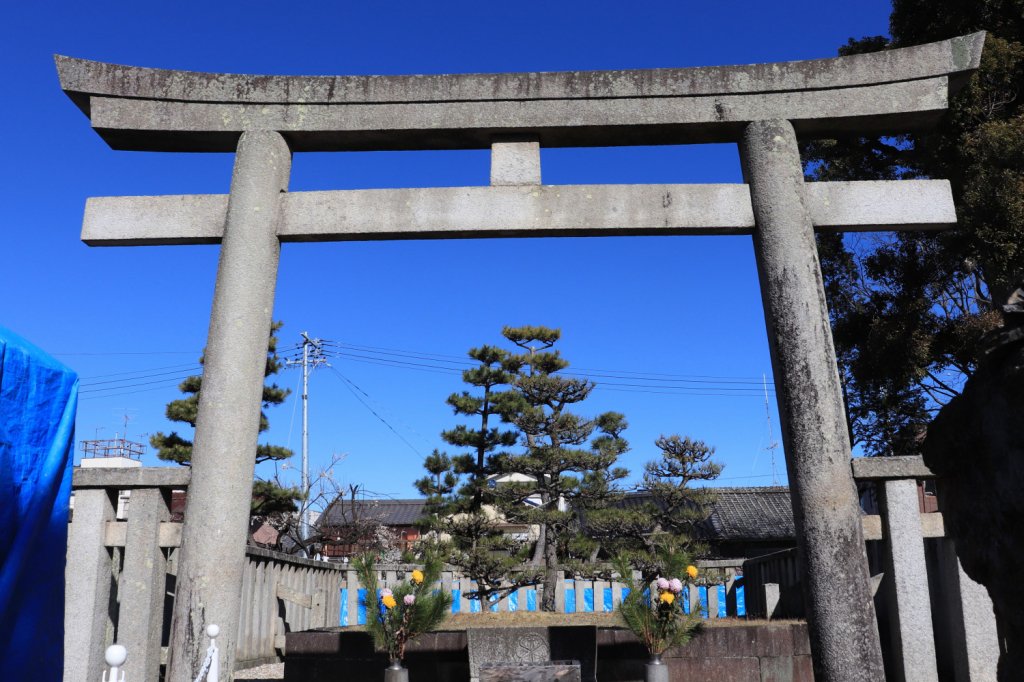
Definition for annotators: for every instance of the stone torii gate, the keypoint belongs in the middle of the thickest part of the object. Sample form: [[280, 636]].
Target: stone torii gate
[[762, 107]]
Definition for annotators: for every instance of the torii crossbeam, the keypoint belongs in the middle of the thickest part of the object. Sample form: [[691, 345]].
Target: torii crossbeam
[[762, 107]]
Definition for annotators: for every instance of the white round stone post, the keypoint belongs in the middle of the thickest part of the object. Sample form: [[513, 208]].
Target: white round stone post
[[840, 612], [213, 539]]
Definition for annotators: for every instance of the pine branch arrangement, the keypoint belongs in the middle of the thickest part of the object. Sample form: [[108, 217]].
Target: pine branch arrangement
[[655, 613], [398, 616]]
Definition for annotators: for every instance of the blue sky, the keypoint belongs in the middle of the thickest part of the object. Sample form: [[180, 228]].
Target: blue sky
[[655, 312]]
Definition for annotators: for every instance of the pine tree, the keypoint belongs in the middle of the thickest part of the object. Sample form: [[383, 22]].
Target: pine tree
[[557, 474], [475, 541], [268, 497], [662, 520]]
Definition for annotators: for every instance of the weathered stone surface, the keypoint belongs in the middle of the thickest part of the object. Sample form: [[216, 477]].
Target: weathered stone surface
[[87, 590], [530, 211], [550, 671], [142, 588], [844, 634], [722, 654], [932, 526], [970, 638], [140, 108], [533, 645], [497, 645], [224, 454], [515, 163], [126, 479], [158, 125], [913, 644], [975, 446], [882, 468], [80, 77]]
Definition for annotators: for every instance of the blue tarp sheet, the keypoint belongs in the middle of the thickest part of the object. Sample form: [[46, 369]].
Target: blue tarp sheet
[[38, 399]]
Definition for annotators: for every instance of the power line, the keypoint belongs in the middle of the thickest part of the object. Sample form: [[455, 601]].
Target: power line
[[704, 389], [349, 385], [182, 366], [114, 395], [190, 370], [601, 387], [441, 357], [144, 383], [152, 352], [654, 379]]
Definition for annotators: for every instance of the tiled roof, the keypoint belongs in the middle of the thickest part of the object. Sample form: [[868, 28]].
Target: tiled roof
[[737, 513], [751, 514], [387, 512]]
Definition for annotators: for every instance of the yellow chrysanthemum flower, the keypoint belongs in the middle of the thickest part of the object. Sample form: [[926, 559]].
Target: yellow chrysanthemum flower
[[692, 572], [389, 601], [667, 597], [417, 576]]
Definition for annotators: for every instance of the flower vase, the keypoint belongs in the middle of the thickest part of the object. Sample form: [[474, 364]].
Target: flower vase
[[656, 670], [396, 673]]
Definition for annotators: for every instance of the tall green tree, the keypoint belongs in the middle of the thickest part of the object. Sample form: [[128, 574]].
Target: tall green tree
[[908, 309], [663, 519], [563, 469], [464, 514], [268, 497]]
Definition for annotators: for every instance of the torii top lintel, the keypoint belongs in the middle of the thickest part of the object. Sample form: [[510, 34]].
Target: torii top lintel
[[154, 109]]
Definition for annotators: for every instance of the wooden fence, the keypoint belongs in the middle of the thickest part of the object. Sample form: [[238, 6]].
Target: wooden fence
[[776, 590], [573, 593]]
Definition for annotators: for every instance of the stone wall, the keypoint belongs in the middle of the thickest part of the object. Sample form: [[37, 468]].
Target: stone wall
[[740, 653]]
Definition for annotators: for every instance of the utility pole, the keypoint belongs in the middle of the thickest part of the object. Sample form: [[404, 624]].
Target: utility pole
[[312, 355]]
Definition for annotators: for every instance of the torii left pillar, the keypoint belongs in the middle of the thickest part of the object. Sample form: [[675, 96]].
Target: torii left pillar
[[224, 453]]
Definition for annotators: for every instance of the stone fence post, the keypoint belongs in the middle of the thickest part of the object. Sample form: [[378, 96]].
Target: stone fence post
[[970, 636], [88, 625], [103, 600]]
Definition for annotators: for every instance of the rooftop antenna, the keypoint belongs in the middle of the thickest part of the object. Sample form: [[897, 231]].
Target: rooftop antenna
[[125, 414], [772, 443]]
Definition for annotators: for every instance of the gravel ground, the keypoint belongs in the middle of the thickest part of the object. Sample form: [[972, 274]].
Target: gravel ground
[[271, 671]]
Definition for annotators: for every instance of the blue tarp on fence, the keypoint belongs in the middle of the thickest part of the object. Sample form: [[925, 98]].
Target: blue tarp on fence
[[38, 399]]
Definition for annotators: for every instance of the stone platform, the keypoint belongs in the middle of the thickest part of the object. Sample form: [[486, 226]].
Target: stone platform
[[733, 653]]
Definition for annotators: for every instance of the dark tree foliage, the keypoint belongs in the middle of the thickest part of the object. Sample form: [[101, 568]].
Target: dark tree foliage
[[665, 521], [908, 309], [268, 497]]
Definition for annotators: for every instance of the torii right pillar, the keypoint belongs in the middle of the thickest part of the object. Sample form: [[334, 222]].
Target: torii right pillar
[[843, 629]]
